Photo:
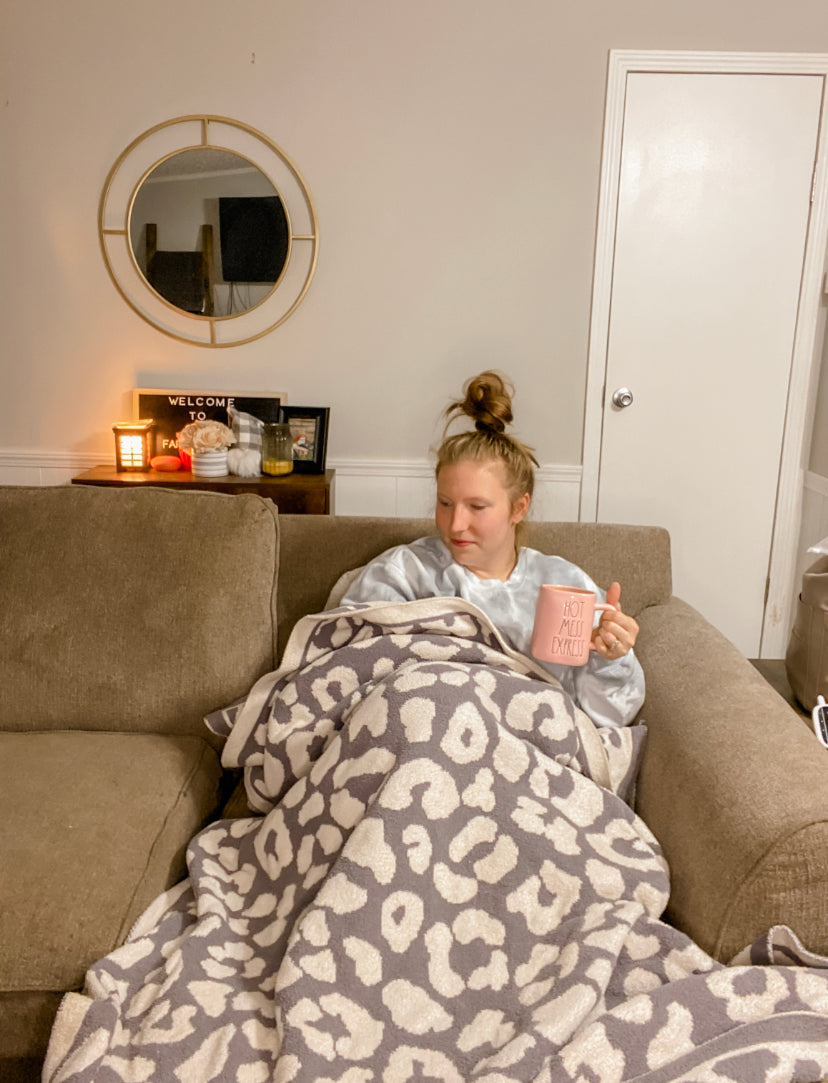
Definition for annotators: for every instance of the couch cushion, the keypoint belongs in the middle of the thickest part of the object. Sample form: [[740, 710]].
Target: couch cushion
[[93, 826], [132, 609], [26, 1021]]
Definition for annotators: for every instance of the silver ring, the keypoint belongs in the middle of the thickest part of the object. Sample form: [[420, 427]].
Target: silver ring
[[615, 645]]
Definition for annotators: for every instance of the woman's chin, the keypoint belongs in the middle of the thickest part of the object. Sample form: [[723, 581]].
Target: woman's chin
[[461, 551]]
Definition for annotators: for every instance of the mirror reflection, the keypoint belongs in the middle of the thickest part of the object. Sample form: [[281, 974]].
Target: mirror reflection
[[209, 232]]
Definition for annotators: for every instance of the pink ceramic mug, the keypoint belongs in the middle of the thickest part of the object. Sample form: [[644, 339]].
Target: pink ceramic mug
[[563, 624]]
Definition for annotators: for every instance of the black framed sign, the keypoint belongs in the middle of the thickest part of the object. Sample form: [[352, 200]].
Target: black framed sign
[[309, 431], [171, 409]]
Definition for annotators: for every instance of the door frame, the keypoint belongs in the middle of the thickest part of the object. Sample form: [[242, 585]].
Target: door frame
[[810, 321]]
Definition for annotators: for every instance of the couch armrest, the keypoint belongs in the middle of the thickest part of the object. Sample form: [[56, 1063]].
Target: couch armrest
[[735, 787]]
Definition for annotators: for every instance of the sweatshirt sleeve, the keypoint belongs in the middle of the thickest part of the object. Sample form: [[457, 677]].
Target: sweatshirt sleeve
[[611, 692], [393, 576]]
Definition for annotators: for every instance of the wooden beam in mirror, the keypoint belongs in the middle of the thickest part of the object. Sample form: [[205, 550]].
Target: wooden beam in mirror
[[208, 230]]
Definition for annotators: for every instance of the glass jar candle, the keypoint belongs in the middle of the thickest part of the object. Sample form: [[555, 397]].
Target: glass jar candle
[[277, 449]]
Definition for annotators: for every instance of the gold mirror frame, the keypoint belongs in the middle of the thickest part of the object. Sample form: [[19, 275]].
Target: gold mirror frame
[[143, 155]]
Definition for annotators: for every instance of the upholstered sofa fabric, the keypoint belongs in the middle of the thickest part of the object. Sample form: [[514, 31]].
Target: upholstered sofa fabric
[[90, 823], [142, 608], [735, 787], [127, 616], [92, 827]]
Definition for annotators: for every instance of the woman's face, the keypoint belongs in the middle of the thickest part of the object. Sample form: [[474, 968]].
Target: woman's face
[[476, 518]]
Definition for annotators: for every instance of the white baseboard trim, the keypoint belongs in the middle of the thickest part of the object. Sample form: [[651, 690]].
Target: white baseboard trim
[[393, 487]]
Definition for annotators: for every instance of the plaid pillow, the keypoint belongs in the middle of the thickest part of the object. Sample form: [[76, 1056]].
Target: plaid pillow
[[247, 429], [245, 456]]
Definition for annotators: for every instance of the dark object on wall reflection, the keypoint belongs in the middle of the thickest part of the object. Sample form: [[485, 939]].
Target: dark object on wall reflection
[[182, 278], [254, 238]]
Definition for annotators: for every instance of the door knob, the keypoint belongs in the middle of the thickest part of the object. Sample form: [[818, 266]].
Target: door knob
[[622, 397]]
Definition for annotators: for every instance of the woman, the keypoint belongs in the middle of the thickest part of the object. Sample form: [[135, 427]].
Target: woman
[[485, 480]]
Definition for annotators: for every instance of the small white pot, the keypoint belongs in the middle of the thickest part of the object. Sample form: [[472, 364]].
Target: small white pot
[[210, 464]]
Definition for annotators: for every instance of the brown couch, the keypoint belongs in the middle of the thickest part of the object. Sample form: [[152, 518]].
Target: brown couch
[[127, 616]]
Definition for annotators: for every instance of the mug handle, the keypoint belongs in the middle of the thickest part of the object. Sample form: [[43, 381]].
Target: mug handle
[[605, 606]]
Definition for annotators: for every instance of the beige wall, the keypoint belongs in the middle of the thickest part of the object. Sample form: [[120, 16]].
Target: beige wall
[[453, 151]]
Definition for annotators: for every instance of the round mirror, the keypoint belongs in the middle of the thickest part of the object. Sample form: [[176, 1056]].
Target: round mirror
[[208, 231]]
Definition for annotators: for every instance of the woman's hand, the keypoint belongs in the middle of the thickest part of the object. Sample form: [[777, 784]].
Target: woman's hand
[[616, 633]]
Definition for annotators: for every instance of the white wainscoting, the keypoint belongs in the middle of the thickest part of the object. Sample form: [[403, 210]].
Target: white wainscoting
[[398, 488], [46, 467], [363, 487]]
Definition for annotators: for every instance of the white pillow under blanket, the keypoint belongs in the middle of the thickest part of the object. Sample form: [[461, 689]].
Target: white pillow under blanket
[[340, 587]]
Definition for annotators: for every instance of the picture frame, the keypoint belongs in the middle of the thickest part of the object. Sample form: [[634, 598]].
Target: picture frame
[[173, 408], [309, 430]]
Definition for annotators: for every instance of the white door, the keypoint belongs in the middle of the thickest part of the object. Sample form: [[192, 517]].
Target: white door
[[714, 197]]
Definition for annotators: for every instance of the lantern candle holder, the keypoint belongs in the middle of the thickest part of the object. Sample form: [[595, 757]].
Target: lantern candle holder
[[133, 444]]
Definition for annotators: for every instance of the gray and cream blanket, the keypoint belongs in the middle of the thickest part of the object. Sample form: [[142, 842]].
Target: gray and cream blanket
[[444, 883]]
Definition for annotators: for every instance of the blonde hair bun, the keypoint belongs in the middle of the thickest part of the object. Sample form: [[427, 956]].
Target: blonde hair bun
[[487, 400]]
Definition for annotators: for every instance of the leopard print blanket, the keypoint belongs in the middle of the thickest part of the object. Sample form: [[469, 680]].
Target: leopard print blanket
[[443, 883]]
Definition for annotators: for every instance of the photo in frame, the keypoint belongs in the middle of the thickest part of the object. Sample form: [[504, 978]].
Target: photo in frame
[[309, 433]]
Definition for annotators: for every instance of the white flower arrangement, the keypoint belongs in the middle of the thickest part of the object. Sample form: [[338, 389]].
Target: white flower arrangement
[[205, 436]]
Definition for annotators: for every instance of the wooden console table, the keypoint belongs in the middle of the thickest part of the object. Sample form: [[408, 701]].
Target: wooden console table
[[294, 494]]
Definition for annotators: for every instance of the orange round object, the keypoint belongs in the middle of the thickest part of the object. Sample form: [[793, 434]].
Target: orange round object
[[166, 462]]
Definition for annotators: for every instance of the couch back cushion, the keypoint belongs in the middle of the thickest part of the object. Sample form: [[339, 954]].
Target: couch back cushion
[[137, 610], [317, 549]]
